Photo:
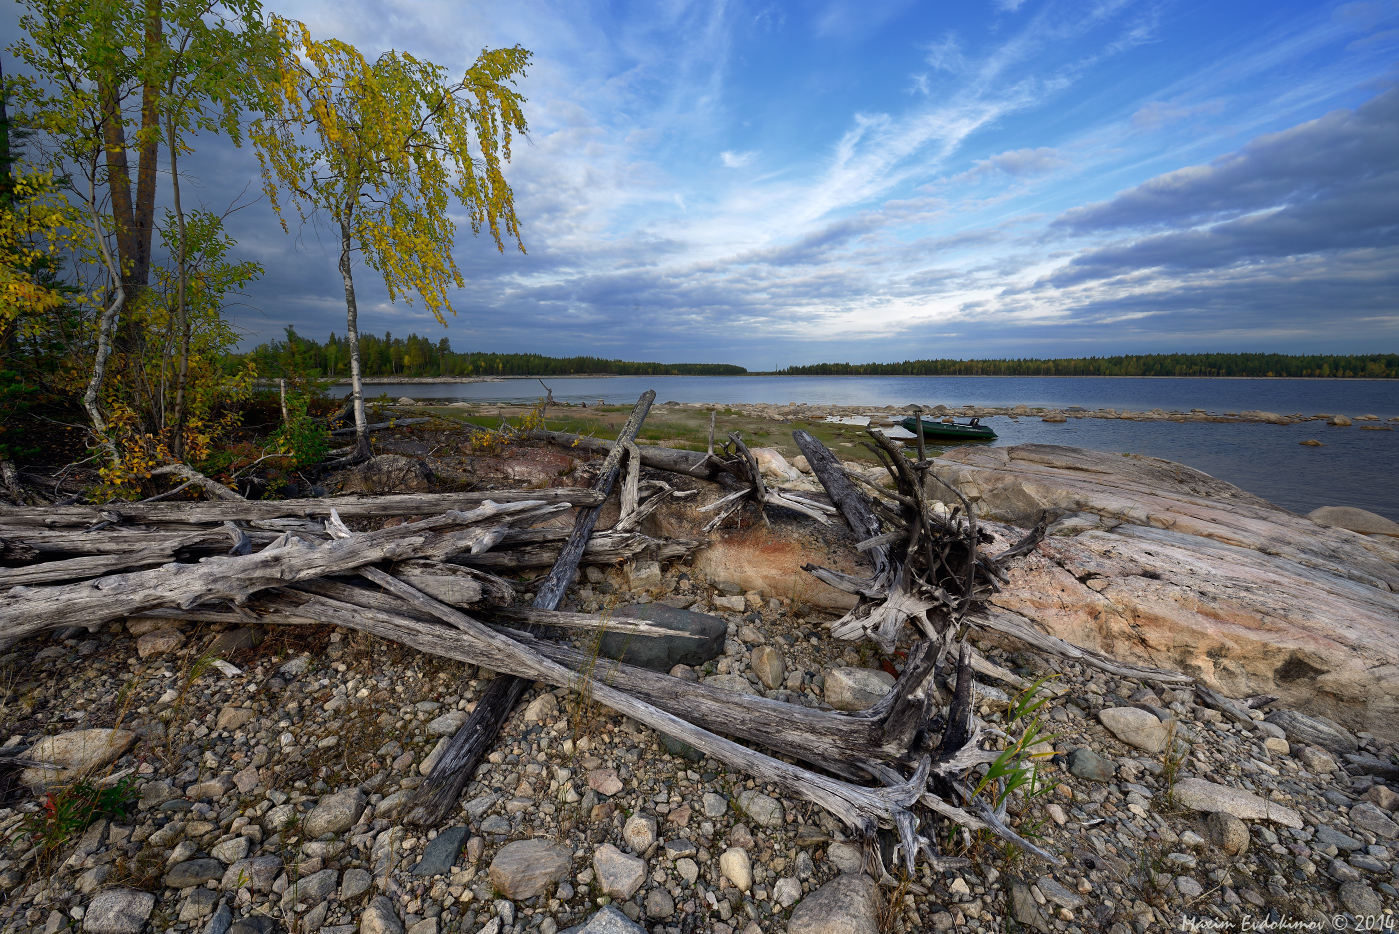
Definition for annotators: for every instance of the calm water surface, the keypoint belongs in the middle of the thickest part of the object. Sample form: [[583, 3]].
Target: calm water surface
[[1353, 468]]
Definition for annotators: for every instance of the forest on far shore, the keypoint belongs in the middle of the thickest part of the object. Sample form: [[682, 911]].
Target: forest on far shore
[[1320, 366], [415, 356]]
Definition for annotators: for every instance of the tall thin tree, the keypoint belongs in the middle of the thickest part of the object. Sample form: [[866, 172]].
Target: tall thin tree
[[381, 149]]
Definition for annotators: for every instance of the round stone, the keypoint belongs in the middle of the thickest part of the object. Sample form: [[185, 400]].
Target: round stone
[[737, 868], [1228, 833]]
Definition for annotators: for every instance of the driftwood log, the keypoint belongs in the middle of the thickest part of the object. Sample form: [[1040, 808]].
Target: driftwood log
[[689, 463], [438, 793], [740, 464], [348, 507], [27, 610]]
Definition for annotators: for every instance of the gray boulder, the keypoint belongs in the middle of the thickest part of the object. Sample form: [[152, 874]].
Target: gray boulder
[[388, 473], [335, 813], [856, 688], [118, 911], [691, 638], [845, 905], [1089, 766], [1196, 794], [193, 872], [526, 868], [607, 921], [380, 918], [1304, 729]]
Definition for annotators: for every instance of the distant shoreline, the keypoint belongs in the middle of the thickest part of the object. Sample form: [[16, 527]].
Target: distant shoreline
[[463, 380]]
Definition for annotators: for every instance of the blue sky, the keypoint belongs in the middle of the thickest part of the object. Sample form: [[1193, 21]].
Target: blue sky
[[779, 183]]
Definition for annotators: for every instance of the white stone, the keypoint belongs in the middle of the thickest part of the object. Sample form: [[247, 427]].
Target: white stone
[[542, 708], [76, 753], [856, 688], [1136, 727], [1200, 795], [447, 724], [639, 832], [737, 868]]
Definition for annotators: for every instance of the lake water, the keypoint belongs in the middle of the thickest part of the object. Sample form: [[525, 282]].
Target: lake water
[[1353, 468]]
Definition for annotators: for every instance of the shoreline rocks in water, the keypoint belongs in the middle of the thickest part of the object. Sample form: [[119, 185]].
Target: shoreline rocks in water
[[891, 414]]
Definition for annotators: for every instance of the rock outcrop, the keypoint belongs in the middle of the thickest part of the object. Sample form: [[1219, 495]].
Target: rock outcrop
[[1155, 562]]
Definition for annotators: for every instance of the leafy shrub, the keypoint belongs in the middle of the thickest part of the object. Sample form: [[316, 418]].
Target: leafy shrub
[[70, 810]]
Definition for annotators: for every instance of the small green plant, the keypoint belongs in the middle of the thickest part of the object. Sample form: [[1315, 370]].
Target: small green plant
[[1015, 769], [1025, 703], [302, 439], [68, 811], [1172, 759]]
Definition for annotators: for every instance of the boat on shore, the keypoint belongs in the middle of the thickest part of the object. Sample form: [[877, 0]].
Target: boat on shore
[[938, 430]]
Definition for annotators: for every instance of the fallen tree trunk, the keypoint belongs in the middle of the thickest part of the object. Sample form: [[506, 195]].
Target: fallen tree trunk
[[438, 794], [864, 810], [152, 555], [994, 619], [348, 507], [52, 545], [380, 426], [841, 742], [603, 548], [27, 610], [690, 463]]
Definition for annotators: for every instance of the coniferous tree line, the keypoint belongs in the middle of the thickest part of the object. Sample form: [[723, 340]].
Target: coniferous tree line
[[416, 356], [1323, 366]]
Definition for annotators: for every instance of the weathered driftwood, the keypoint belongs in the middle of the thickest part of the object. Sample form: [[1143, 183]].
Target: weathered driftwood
[[839, 742], [348, 507], [689, 463], [27, 610], [990, 618], [52, 545], [380, 426], [743, 466], [438, 794], [191, 476], [602, 548], [1230, 708], [152, 555]]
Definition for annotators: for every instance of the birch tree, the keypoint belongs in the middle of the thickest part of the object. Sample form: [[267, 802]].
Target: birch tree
[[115, 78], [381, 150]]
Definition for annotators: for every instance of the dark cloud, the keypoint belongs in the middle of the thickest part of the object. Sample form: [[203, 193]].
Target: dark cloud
[[1344, 153], [1293, 239]]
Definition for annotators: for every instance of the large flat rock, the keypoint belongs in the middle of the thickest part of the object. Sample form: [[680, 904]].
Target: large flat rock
[[1161, 564]]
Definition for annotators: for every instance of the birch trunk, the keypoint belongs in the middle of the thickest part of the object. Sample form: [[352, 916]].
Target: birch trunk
[[361, 451], [106, 325], [177, 445]]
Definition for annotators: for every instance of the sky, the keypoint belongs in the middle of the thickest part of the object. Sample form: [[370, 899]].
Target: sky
[[772, 184]]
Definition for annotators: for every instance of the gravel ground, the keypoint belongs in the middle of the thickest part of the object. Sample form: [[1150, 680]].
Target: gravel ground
[[269, 801]]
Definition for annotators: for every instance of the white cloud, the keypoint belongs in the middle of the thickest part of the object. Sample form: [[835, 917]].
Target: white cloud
[[735, 160], [945, 54], [1160, 113]]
